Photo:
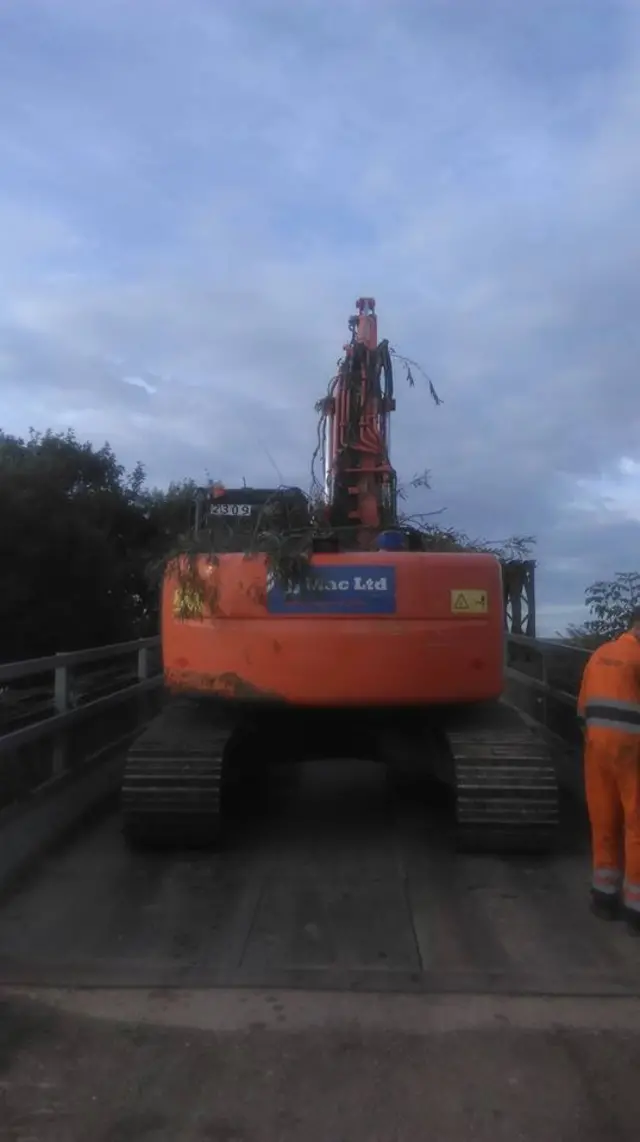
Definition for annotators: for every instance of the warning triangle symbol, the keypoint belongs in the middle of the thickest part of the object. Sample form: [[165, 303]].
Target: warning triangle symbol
[[461, 603]]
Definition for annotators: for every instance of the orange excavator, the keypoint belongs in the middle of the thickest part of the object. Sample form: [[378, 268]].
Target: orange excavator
[[364, 646]]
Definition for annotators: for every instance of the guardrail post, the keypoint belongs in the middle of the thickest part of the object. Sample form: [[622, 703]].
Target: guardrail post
[[144, 672], [70, 709], [61, 703], [143, 663], [543, 698]]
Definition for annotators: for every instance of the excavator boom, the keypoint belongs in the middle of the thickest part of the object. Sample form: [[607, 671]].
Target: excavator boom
[[360, 482]]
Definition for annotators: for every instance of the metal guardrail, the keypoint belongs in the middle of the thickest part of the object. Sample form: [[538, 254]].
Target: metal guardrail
[[542, 679], [548, 651], [543, 651], [542, 676], [23, 770]]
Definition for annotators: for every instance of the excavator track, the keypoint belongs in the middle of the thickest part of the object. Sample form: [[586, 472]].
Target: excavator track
[[506, 787], [173, 781]]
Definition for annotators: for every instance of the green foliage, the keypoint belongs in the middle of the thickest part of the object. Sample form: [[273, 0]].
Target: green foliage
[[610, 602], [75, 537], [514, 549], [435, 537], [282, 531]]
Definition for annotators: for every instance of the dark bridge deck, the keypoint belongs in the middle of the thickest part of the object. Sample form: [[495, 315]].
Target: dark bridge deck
[[334, 880]]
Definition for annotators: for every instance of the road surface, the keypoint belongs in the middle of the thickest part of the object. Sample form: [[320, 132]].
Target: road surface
[[338, 974]]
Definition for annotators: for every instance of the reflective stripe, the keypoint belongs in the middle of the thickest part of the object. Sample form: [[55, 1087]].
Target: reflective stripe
[[613, 703], [614, 724], [632, 896], [607, 710], [607, 880], [607, 890]]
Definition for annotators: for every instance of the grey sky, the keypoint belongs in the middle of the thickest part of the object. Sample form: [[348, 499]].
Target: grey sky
[[194, 193]]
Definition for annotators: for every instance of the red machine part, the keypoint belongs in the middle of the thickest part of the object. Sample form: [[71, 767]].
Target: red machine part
[[359, 479]]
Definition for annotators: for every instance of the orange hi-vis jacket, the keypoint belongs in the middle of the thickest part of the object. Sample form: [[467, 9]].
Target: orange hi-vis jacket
[[609, 705], [609, 698]]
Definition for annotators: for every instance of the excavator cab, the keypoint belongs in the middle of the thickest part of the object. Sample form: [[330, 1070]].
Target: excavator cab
[[235, 514]]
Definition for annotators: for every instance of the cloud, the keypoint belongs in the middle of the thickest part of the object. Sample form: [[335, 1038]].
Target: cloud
[[194, 195]]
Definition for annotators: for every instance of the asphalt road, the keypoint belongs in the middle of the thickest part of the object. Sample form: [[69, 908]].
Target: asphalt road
[[338, 974]]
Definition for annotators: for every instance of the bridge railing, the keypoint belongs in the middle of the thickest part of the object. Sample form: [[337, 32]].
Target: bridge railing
[[543, 680], [58, 714]]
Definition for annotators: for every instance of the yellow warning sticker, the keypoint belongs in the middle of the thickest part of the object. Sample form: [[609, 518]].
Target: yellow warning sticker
[[469, 602]]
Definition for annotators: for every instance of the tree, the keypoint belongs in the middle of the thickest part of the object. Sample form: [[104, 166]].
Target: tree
[[610, 602], [74, 543], [169, 515]]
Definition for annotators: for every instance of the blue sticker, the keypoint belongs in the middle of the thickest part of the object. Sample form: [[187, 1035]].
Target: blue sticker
[[367, 589]]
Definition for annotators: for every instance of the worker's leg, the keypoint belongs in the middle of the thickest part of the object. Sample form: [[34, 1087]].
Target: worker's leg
[[628, 771], [605, 815]]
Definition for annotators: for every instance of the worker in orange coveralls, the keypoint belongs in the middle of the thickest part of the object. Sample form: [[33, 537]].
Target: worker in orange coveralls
[[609, 706]]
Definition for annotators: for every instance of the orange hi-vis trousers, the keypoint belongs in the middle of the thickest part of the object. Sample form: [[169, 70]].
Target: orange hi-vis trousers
[[612, 777]]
